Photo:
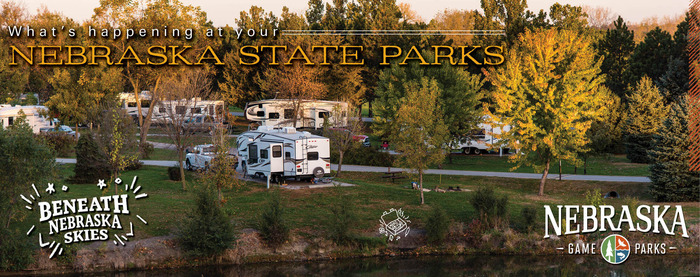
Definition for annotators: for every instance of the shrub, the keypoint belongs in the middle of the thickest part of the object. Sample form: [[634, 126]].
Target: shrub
[[147, 150], [273, 228], [437, 226], [133, 164], [174, 173], [15, 250], [490, 208], [594, 197], [529, 215], [91, 164], [62, 144], [341, 222], [206, 231]]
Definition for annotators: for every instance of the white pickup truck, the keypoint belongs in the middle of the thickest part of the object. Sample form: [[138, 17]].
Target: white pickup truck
[[199, 157]]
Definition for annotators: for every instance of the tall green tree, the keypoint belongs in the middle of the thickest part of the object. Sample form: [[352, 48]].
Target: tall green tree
[[651, 56], [671, 177], [25, 161], [421, 135], [459, 96], [314, 14], [616, 48], [79, 92], [674, 82], [547, 91], [646, 112]]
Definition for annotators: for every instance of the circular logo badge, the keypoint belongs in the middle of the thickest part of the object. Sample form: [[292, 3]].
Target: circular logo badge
[[615, 249]]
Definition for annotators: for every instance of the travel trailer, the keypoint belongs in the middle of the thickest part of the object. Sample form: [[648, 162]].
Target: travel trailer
[[9, 114], [194, 107], [313, 113], [482, 139], [280, 153]]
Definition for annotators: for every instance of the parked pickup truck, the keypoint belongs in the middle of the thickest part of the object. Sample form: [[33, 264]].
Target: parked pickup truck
[[199, 157]]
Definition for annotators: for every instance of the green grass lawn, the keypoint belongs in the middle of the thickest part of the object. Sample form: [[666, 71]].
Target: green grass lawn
[[308, 210], [613, 165]]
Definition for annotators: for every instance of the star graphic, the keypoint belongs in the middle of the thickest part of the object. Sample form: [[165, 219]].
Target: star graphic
[[50, 189], [101, 184]]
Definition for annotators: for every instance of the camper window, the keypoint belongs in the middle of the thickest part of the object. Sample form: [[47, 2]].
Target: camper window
[[288, 113], [276, 151], [180, 109], [131, 104], [10, 121], [261, 113], [287, 155], [312, 156], [263, 153], [145, 103], [324, 115], [161, 110], [274, 115], [196, 110]]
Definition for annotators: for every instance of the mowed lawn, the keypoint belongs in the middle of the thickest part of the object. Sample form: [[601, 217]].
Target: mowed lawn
[[308, 210], [617, 165]]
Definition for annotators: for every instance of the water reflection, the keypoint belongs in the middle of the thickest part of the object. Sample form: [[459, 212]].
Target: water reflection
[[669, 265]]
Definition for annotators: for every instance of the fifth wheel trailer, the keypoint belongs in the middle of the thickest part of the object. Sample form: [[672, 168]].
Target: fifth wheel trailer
[[312, 113], [280, 153]]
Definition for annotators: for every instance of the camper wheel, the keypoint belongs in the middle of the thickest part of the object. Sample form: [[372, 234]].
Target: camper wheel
[[188, 165], [467, 150], [243, 168], [318, 172], [477, 151]]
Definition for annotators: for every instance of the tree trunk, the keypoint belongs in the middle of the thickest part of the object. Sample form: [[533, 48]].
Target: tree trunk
[[369, 108], [544, 179], [340, 163], [449, 157], [221, 196], [420, 186], [182, 168]]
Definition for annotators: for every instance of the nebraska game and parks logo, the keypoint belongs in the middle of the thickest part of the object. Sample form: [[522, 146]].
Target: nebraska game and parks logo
[[615, 249], [83, 219]]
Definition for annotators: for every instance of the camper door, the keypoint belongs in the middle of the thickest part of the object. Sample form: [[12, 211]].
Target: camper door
[[276, 158]]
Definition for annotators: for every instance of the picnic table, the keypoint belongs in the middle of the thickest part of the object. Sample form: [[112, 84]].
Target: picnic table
[[394, 175]]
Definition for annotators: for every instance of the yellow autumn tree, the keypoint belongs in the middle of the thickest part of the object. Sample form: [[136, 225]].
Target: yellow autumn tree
[[422, 133], [548, 92]]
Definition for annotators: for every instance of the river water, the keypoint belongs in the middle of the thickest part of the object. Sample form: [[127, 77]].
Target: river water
[[473, 265]]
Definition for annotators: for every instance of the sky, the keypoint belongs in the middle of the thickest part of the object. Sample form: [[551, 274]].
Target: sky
[[223, 12]]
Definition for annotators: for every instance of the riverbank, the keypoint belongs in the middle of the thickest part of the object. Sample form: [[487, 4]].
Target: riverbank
[[159, 253]]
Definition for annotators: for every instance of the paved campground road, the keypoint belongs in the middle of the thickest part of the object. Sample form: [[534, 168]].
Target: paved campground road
[[362, 168]]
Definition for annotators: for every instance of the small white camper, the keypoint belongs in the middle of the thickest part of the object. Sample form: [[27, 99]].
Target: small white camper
[[9, 114], [283, 153], [312, 113]]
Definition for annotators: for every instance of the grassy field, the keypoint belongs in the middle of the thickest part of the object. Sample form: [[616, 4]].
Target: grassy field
[[307, 210], [612, 165]]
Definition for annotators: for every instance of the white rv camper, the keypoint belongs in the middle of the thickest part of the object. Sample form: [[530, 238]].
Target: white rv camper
[[9, 114], [482, 140], [283, 153], [313, 113], [195, 107]]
